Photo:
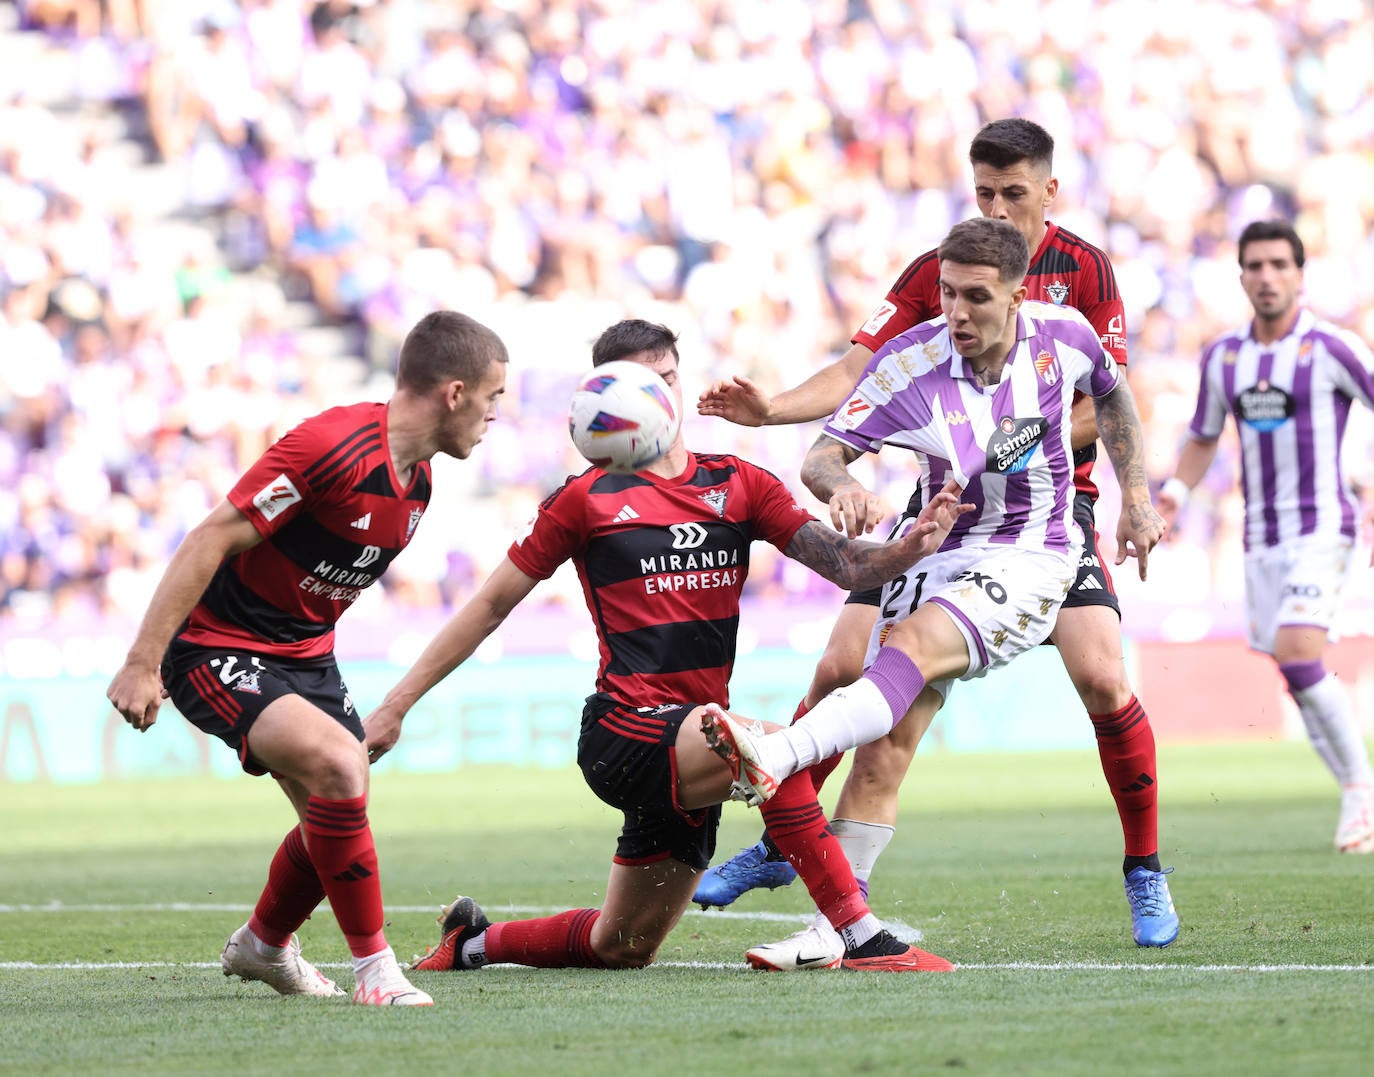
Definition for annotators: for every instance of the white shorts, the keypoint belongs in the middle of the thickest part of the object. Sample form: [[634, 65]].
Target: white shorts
[[1295, 584], [1003, 599]]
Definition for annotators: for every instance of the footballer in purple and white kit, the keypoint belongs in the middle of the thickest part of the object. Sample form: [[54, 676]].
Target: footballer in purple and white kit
[[1008, 446], [1289, 380], [1291, 401]]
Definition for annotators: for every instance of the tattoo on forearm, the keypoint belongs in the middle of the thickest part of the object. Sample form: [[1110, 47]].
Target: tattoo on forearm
[[826, 466], [853, 564], [1118, 426]]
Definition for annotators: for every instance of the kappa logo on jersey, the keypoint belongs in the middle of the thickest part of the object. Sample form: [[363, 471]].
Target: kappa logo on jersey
[[956, 418], [1012, 451], [413, 522], [687, 536], [715, 499], [879, 317], [1264, 406], [363, 522], [1058, 292], [625, 515], [1047, 366], [276, 497]]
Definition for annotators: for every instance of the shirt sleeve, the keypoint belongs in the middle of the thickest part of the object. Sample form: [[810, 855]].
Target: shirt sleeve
[[274, 490], [1354, 373], [1107, 316], [554, 535], [912, 299], [1210, 415], [777, 515]]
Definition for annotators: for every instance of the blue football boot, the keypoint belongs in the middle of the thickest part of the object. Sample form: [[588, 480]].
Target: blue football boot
[[747, 870], [1153, 920]]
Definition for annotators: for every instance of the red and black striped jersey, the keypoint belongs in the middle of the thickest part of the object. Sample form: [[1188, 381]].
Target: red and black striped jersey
[[662, 564], [1065, 270], [333, 515]]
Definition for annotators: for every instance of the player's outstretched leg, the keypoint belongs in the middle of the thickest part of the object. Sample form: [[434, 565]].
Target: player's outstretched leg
[[1153, 919], [757, 866], [281, 968], [458, 922]]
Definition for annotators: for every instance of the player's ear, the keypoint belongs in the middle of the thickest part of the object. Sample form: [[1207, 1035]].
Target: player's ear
[[453, 394], [1051, 189], [1019, 296]]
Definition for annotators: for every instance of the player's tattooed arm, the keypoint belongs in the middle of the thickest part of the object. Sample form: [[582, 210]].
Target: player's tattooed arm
[[853, 509], [1118, 425]]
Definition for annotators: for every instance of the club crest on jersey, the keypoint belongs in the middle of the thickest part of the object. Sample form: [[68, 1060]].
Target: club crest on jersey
[[1058, 292], [1047, 366], [276, 497], [715, 500], [413, 522], [1012, 451], [1305, 353]]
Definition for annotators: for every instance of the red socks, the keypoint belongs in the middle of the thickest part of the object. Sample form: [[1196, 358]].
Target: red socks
[[553, 942], [340, 843], [1126, 745], [292, 893], [799, 828]]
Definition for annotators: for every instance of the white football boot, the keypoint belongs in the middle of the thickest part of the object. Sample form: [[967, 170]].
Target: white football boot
[[287, 973], [1355, 830], [816, 946]]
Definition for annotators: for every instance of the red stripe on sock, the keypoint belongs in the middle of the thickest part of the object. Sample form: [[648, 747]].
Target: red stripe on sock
[[339, 839], [550, 942], [1126, 746], [799, 828]]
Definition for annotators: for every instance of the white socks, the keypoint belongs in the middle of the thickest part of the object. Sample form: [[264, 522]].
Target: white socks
[[862, 843], [844, 719], [1330, 722]]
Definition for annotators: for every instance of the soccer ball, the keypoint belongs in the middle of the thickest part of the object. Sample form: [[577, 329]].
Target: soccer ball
[[623, 417]]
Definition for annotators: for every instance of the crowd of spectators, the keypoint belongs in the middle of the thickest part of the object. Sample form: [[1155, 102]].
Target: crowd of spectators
[[216, 218]]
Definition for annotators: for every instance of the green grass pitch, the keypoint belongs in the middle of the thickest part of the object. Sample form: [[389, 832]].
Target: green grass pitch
[[115, 900]]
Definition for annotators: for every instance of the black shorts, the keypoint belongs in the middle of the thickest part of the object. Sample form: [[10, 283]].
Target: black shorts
[[1092, 586], [628, 759], [223, 692]]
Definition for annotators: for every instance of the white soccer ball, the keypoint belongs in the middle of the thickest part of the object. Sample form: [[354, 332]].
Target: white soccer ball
[[623, 417]]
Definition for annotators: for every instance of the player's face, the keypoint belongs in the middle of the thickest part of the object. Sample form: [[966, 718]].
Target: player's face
[[476, 410], [1020, 194], [1271, 278], [981, 309]]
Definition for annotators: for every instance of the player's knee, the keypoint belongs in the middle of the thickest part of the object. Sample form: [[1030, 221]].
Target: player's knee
[[836, 669], [626, 954], [1103, 688], [338, 771]]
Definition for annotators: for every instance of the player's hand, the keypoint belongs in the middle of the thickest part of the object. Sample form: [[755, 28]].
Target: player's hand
[[1168, 509], [1138, 532], [737, 400], [381, 730], [856, 511], [137, 692], [930, 529]]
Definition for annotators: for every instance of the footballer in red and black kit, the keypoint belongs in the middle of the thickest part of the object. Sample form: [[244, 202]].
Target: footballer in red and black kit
[[1068, 272], [333, 515], [662, 564]]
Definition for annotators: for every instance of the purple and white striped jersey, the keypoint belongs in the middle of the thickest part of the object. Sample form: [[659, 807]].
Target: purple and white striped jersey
[[1291, 400], [1008, 444]]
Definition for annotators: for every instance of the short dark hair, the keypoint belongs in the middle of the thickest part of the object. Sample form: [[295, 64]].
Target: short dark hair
[[446, 346], [1003, 143], [632, 336], [1271, 229], [985, 241]]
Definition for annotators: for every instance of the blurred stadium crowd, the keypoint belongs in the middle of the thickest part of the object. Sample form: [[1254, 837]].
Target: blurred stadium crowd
[[216, 218]]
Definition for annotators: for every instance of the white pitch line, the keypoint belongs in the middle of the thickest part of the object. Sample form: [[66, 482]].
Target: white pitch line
[[524, 910], [1015, 966]]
